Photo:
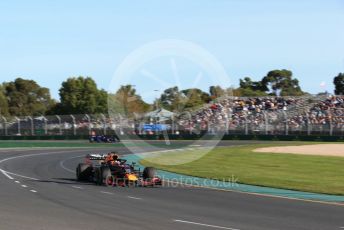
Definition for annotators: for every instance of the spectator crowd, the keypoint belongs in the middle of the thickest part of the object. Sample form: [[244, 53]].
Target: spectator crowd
[[260, 115], [268, 115]]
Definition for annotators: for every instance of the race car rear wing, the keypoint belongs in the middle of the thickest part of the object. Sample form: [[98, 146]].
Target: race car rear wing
[[96, 156]]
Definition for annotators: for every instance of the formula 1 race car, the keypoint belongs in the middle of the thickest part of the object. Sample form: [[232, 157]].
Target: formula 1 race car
[[110, 170]]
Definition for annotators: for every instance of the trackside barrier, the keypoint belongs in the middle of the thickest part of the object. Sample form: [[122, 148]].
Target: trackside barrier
[[188, 137], [250, 123]]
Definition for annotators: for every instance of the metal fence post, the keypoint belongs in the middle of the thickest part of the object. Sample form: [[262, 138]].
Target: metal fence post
[[286, 125], [330, 120], [309, 125], [104, 123], [227, 125], [190, 121], [18, 125], [45, 125], [229, 119], [266, 123], [74, 125], [5, 125], [60, 125], [32, 127], [141, 128], [208, 127], [121, 124], [172, 124], [89, 124], [246, 123]]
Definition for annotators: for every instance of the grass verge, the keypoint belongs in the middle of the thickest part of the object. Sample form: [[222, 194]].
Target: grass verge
[[318, 174]]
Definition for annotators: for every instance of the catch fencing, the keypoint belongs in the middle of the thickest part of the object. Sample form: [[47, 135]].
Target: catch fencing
[[243, 123]]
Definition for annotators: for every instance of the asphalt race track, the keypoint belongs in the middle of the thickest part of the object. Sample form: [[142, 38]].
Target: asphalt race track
[[41, 193]]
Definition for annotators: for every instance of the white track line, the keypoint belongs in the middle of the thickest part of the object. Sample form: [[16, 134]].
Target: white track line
[[67, 169], [205, 225], [34, 191], [18, 182], [24, 186], [6, 174], [64, 167], [134, 198], [18, 175], [77, 187], [108, 193], [31, 155]]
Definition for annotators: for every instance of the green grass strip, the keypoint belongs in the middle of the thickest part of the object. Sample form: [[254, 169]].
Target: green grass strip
[[317, 174]]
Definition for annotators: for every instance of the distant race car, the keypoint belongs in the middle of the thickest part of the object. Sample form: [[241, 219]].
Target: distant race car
[[109, 169]]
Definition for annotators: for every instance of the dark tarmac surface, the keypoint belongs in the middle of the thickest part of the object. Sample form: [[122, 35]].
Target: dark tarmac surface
[[39, 191]]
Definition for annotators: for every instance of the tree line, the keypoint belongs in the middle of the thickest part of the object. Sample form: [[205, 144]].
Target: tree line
[[79, 95]]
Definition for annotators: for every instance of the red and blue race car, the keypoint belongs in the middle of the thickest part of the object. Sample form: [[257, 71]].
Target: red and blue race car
[[109, 169]]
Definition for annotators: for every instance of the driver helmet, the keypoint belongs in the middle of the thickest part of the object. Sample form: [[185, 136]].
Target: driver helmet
[[115, 157]]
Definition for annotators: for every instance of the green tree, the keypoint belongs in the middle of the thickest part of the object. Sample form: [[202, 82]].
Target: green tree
[[282, 83], [194, 98], [3, 103], [216, 91], [81, 95], [338, 82], [126, 102], [250, 85], [247, 92], [177, 100], [26, 97], [171, 99]]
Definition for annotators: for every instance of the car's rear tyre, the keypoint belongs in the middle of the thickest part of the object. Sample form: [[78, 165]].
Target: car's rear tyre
[[107, 177], [83, 172], [149, 173]]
